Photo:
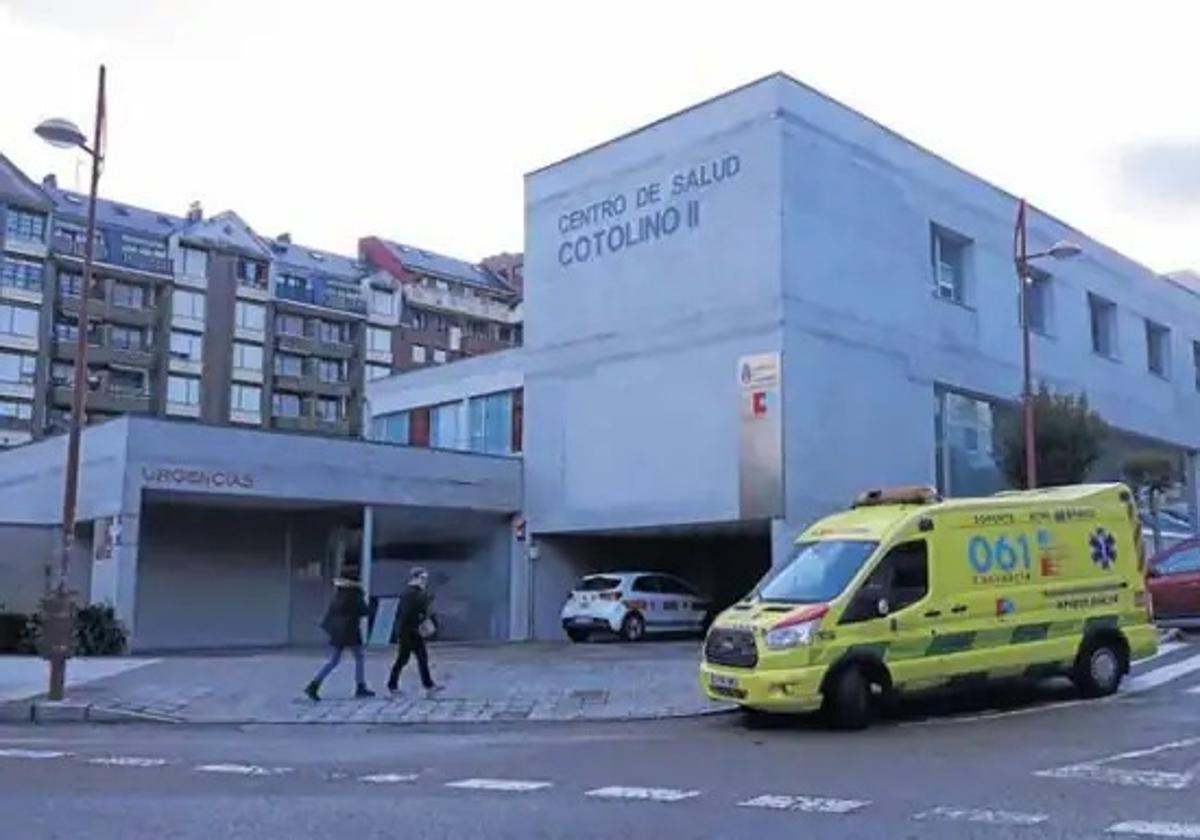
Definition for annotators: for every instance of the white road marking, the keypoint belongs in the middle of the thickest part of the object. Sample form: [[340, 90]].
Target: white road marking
[[1097, 771], [1163, 650], [981, 815], [388, 778], [32, 754], [1156, 829], [127, 761], [807, 804], [1195, 690], [243, 769], [643, 793], [1161, 676], [502, 785]]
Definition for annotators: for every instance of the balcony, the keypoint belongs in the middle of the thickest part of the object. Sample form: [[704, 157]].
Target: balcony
[[326, 297], [475, 345], [17, 424], [296, 343], [22, 289], [475, 305], [253, 289], [134, 261]]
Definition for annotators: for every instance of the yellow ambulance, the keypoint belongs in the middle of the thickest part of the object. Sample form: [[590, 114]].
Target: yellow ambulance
[[907, 592]]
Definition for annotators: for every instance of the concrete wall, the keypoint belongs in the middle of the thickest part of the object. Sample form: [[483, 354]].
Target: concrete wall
[[631, 386], [488, 374], [27, 553]]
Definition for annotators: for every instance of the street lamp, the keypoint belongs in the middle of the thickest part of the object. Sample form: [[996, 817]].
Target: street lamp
[[56, 606], [1061, 250]]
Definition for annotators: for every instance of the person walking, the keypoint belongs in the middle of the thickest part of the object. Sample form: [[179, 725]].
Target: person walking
[[343, 623], [413, 625]]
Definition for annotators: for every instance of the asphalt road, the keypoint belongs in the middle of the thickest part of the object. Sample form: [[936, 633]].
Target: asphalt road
[[1042, 766]]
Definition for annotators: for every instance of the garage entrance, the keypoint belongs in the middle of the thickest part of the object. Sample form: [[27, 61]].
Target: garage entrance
[[723, 561]]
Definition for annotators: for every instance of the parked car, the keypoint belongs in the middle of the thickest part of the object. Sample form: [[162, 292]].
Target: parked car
[[1174, 581], [1173, 528], [634, 604]]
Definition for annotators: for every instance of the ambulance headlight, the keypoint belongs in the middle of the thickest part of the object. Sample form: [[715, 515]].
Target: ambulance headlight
[[793, 635]]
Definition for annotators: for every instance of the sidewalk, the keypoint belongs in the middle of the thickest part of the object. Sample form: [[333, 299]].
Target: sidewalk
[[484, 684], [24, 677]]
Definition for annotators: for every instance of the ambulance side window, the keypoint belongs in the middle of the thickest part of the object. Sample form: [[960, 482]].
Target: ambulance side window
[[902, 578]]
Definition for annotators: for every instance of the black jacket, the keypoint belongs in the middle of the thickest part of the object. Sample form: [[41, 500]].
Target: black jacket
[[343, 618], [412, 609]]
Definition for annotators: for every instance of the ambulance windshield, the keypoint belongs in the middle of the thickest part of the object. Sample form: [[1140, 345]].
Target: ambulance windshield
[[817, 572]]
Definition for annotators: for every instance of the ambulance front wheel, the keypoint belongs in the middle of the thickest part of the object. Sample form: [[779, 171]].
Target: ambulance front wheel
[[1099, 667], [848, 699]]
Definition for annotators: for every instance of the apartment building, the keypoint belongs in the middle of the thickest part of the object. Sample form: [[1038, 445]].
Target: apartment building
[[203, 318], [450, 309]]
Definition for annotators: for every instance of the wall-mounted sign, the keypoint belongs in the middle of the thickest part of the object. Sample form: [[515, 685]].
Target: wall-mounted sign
[[189, 477], [760, 437]]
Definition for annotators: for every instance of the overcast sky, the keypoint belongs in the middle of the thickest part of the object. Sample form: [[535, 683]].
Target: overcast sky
[[416, 120]]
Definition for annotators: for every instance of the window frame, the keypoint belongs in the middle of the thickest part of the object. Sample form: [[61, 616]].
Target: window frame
[[1158, 344], [1103, 312], [939, 237]]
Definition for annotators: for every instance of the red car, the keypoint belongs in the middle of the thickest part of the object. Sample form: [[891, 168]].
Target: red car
[[1174, 581]]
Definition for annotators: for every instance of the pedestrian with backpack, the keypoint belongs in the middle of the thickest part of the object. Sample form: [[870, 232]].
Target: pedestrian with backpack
[[343, 624]]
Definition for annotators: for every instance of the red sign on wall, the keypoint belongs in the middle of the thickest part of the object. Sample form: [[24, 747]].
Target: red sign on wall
[[759, 403]]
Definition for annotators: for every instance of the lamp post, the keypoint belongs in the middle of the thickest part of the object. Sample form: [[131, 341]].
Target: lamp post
[[1061, 250], [57, 612]]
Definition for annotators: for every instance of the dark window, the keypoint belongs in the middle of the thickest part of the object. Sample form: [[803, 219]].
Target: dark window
[[129, 296], [285, 405], [127, 338], [288, 365], [419, 427], [674, 586], [1158, 349], [289, 325], [251, 271], [647, 583], [22, 274], [1104, 326], [20, 224], [901, 578]]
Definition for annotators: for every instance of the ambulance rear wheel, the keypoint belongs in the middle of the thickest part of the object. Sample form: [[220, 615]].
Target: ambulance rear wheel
[[1099, 668], [633, 628], [848, 699]]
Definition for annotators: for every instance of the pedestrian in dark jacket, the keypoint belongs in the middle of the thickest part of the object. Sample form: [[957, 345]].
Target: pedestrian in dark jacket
[[343, 624], [412, 624]]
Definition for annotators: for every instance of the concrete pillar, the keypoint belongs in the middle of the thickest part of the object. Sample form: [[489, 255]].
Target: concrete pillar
[[520, 581], [783, 538], [115, 567], [1192, 465]]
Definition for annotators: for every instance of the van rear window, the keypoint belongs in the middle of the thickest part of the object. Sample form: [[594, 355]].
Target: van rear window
[[597, 584], [817, 572]]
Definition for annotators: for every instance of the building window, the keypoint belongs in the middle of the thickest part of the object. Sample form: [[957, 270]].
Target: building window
[[415, 318], [22, 274], [379, 340], [251, 272], [194, 262], [15, 410], [479, 329], [331, 370], [334, 332], [443, 426], [129, 295], [130, 383], [62, 373], [17, 368], [69, 284], [183, 390], [250, 316], [328, 409], [285, 405], [133, 247], [391, 428], [375, 372], [506, 334], [291, 286], [440, 324], [288, 365], [1104, 326], [187, 304], [1039, 298], [246, 399], [950, 253], [383, 302], [187, 346], [439, 357], [127, 338], [247, 357], [18, 320], [965, 429], [418, 354], [1158, 349], [24, 225], [1196, 362], [491, 423]]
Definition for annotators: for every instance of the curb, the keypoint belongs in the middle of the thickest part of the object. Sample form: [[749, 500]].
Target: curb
[[46, 711]]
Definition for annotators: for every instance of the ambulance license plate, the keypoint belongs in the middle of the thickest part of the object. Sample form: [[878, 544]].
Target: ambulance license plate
[[719, 681]]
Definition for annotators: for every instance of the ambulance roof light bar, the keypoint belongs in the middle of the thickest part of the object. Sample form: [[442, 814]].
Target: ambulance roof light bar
[[906, 495]]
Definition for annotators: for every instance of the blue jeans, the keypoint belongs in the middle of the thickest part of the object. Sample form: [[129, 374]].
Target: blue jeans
[[360, 677]]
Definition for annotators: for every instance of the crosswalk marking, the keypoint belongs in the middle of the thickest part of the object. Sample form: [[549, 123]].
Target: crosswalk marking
[[1164, 649], [502, 785], [127, 761], [32, 754], [806, 804], [981, 815], [388, 778], [1156, 829], [1162, 675], [1100, 770], [243, 769], [643, 793]]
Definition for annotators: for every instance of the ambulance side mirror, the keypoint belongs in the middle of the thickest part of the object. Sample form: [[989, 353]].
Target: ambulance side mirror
[[883, 607]]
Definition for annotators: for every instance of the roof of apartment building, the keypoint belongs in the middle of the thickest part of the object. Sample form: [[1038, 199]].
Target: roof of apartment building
[[420, 261], [111, 214], [226, 230], [315, 261], [18, 188]]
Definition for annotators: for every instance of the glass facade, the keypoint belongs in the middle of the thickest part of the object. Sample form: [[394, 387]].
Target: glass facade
[[491, 424], [965, 429]]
